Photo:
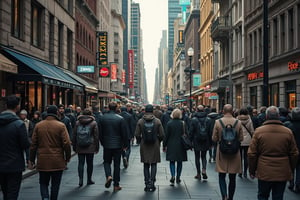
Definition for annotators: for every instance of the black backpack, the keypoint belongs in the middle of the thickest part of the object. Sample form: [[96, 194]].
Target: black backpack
[[149, 137], [84, 137], [229, 143], [202, 134]]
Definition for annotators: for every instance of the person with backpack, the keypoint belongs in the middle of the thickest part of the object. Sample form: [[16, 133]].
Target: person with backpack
[[248, 131], [228, 134], [272, 156], [294, 125], [114, 139], [175, 152], [149, 131], [213, 149], [200, 135], [86, 144]]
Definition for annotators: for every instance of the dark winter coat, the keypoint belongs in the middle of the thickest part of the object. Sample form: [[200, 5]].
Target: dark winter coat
[[66, 120], [87, 121], [72, 119], [294, 125], [195, 129], [165, 118], [50, 144], [129, 123], [113, 132], [150, 153], [172, 141], [13, 142]]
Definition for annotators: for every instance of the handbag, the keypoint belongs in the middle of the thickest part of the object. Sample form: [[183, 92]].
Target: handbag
[[185, 141]]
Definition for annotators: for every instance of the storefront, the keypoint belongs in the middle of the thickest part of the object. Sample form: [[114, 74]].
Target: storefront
[[40, 83]]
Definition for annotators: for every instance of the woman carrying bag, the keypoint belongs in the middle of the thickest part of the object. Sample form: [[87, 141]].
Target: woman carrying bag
[[175, 151]]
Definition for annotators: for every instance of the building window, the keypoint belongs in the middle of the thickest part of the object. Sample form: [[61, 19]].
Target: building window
[[70, 6], [275, 37], [251, 49], [260, 44], [60, 43], [291, 28], [282, 39], [17, 25], [274, 94], [36, 24], [238, 92], [253, 96], [290, 90], [51, 38], [70, 49]]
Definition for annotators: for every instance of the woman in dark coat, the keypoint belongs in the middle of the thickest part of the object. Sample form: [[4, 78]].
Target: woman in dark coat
[[172, 144], [86, 152]]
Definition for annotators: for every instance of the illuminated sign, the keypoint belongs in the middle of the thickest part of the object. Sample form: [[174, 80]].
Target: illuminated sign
[[113, 71], [102, 51], [180, 37], [255, 75], [104, 72], [123, 77], [85, 69], [130, 68], [293, 66], [184, 2]]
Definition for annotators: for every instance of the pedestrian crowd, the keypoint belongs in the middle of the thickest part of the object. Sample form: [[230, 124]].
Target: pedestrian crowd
[[263, 145]]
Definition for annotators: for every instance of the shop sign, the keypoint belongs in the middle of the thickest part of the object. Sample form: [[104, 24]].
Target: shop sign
[[196, 80], [180, 37], [85, 69], [104, 72], [255, 75], [131, 68], [102, 54], [123, 77], [293, 66], [3, 92], [113, 71]]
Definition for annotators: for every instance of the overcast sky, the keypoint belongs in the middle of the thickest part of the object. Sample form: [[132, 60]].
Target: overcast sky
[[154, 19]]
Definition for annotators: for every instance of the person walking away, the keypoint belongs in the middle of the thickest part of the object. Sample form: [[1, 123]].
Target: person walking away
[[262, 115], [294, 125], [200, 135], [166, 117], [114, 139], [172, 144], [149, 131], [13, 142], [272, 156], [213, 149], [86, 144], [66, 120], [71, 116], [52, 147], [228, 159], [248, 130], [130, 127], [96, 113], [157, 112]]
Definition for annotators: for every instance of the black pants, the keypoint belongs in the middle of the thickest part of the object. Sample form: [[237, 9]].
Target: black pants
[[203, 160], [244, 157], [126, 154], [10, 185], [150, 177], [89, 158], [110, 155], [45, 177], [265, 187], [223, 185]]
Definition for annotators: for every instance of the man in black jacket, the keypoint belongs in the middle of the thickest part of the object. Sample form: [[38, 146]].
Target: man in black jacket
[[66, 120], [13, 142], [114, 139], [130, 132]]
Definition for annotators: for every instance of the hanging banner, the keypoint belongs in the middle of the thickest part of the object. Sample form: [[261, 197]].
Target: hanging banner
[[113, 71], [131, 68], [196, 80], [123, 77], [102, 54]]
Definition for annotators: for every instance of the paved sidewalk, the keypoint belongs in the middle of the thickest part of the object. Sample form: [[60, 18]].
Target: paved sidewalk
[[133, 183]]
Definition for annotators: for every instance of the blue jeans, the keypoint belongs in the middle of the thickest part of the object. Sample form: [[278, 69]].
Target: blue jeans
[[265, 187], [10, 184], [126, 153], [172, 168], [223, 185], [45, 177]]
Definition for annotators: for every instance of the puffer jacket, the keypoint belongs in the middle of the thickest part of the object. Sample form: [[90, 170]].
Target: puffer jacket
[[248, 131], [13, 142], [87, 120], [113, 131]]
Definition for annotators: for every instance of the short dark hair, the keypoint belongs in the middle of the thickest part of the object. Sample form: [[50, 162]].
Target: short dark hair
[[112, 106], [12, 101], [244, 111], [61, 105], [87, 112]]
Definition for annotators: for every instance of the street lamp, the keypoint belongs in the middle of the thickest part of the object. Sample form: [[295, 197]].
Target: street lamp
[[190, 53]]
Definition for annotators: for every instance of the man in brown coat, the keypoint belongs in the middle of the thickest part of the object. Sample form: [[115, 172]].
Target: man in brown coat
[[272, 156], [150, 152], [51, 140], [227, 163]]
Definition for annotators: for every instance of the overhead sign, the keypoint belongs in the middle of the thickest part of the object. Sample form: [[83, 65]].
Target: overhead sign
[[102, 54], [123, 77], [113, 71], [86, 69], [184, 2], [104, 72], [130, 68], [196, 80], [293, 66], [255, 75]]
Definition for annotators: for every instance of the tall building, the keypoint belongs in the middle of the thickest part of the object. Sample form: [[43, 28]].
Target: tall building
[[126, 13], [136, 46], [156, 94], [163, 65], [173, 10]]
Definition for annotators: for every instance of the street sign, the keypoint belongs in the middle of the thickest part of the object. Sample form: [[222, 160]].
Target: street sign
[[104, 72]]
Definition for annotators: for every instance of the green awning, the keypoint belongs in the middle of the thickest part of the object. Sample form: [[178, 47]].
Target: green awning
[[88, 87]]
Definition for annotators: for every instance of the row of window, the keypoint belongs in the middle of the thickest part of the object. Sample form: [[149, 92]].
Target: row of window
[[84, 37]]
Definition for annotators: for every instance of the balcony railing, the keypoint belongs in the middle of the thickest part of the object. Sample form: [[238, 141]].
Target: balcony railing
[[220, 28]]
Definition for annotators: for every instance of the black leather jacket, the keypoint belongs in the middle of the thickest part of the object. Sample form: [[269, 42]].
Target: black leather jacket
[[113, 131]]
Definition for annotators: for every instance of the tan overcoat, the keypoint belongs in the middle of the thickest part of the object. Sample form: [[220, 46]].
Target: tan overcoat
[[227, 163]]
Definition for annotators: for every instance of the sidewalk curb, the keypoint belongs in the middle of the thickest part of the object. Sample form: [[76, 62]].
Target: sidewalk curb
[[32, 172]]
